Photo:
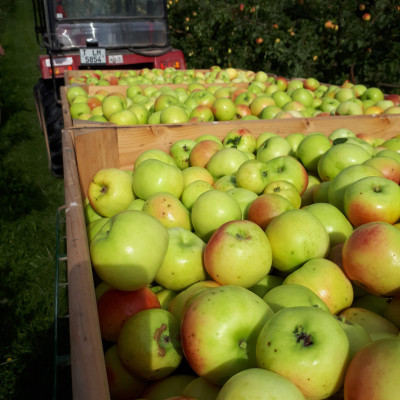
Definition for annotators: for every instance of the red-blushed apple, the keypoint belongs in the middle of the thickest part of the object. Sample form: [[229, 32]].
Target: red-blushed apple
[[241, 138], [194, 173], [372, 199], [226, 162], [374, 371], [180, 151], [266, 207], [152, 176], [201, 389], [122, 384], [311, 149], [371, 258], [260, 102], [356, 334], [212, 209], [227, 319], [346, 177], [285, 189], [259, 383], [293, 295], [149, 344], [290, 169], [129, 249], [338, 157], [165, 388], [252, 175], [114, 307], [334, 221], [183, 264], [203, 151], [273, 147], [110, 191], [389, 167], [232, 248], [296, 236], [243, 111], [378, 327], [201, 113], [181, 301], [325, 279], [306, 345], [168, 209]]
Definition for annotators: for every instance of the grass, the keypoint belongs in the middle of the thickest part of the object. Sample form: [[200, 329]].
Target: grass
[[30, 197]]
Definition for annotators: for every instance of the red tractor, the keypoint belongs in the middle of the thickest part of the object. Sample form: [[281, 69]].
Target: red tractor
[[94, 34]]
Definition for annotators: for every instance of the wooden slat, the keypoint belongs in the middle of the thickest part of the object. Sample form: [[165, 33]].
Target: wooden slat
[[89, 379]]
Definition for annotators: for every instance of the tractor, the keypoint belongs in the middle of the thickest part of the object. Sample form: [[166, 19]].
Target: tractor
[[94, 35]]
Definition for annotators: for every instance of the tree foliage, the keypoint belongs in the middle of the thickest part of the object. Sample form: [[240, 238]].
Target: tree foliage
[[332, 41]]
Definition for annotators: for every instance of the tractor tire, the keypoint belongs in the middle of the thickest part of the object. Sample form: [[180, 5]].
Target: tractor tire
[[51, 122]]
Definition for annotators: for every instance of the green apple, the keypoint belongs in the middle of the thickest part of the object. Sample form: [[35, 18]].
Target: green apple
[[294, 140], [225, 183], [389, 167], [339, 157], [327, 280], [308, 195], [311, 149], [372, 302], [273, 147], [244, 198], [303, 96], [203, 151], [296, 236], [285, 189], [136, 204], [349, 107], [110, 191], [241, 139], [308, 346], [281, 98], [293, 295], [149, 345], [112, 104], [356, 334], [287, 168], [194, 190], [89, 213], [74, 91], [201, 389], [252, 175], [269, 112], [94, 227], [183, 264], [129, 249], [167, 387], [141, 112], [373, 93], [77, 110], [121, 383], [174, 114], [320, 193], [226, 162], [227, 319], [265, 284], [192, 174], [259, 383], [164, 101], [223, 108], [180, 152], [231, 249], [212, 209], [156, 154], [152, 176], [201, 113], [335, 222], [346, 177], [123, 117], [168, 209], [344, 94], [329, 105]]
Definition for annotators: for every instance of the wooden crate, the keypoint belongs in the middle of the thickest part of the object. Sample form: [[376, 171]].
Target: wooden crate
[[89, 148]]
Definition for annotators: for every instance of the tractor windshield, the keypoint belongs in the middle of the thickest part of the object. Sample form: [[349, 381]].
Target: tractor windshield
[[136, 24]]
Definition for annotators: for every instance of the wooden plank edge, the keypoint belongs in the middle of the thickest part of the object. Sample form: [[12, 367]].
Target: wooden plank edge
[[89, 378]]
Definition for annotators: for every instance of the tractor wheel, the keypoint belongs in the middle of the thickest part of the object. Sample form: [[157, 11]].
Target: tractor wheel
[[51, 122]]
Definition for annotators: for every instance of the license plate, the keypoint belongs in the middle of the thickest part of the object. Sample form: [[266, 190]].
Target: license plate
[[93, 56]]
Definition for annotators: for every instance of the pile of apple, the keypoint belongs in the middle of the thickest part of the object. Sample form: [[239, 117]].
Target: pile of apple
[[158, 76], [251, 267], [265, 97]]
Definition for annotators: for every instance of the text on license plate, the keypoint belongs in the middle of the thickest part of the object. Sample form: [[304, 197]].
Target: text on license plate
[[93, 56]]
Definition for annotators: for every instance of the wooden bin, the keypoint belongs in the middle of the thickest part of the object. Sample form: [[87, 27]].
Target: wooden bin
[[89, 148]]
